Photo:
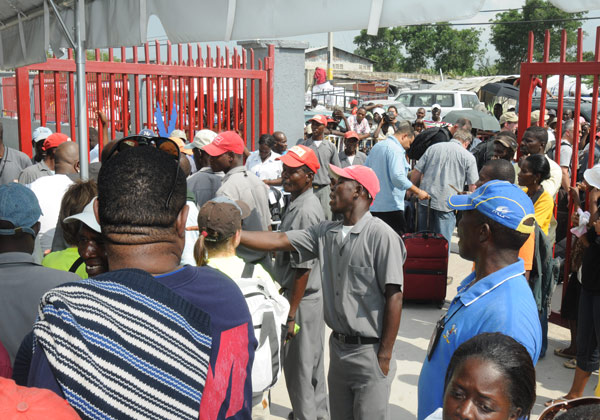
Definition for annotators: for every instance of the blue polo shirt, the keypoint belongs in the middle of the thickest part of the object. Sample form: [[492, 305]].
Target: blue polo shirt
[[388, 159], [501, 302]]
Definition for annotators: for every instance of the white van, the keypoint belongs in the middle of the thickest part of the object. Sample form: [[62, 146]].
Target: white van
[[449, 100]]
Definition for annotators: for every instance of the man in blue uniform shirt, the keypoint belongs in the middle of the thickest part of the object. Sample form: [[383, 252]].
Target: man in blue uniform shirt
[[497, 220]]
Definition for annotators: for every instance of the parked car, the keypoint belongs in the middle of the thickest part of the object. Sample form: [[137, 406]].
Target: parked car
[[449, 100]]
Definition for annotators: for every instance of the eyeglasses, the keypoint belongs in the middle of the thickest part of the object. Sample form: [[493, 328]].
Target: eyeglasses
[[551, 412], [163, 144]]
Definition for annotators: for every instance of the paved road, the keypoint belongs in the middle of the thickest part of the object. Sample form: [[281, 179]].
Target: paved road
[[418, 321]]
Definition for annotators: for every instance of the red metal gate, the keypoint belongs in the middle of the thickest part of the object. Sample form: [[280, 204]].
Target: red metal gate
[[562, 68], [219, 92]]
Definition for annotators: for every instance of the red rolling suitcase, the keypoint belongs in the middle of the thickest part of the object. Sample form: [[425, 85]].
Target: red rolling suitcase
[[426, 266]]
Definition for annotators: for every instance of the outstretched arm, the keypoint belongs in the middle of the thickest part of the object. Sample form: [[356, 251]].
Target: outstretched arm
[[266, 241]]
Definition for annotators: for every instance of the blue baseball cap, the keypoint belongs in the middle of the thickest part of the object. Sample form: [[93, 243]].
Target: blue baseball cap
[[146, 132], [19, 206], [502, 202]]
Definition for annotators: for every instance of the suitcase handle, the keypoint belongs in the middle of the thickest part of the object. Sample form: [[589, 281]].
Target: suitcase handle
[[428, 215]]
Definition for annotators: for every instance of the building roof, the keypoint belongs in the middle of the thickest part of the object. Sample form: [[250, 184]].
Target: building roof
[[311, 50]]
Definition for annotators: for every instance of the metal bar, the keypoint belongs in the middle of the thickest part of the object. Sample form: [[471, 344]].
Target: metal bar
[[62, 23], [209, 94], [228, 95], [136, 93], [174, 70], [593, 125], [81, 93], [72, 120], [23, 109], [43, 116], [219, 81], [236, 85], [542, 121], [270, 67], [525, 94], [57, 104], [252, 104], [125, 97], [245, 100], [262, 104], [111, 90]]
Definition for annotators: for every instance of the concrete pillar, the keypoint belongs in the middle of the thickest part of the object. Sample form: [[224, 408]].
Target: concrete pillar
[[288, 89]]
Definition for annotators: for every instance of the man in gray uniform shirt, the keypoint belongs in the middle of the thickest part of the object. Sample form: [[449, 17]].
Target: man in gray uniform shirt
[[203, 185], [326, 153], [301, 284], [238, 184], [22, 281], [361, 262]]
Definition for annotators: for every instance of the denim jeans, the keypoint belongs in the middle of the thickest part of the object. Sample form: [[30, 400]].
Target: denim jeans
[[439, 222]]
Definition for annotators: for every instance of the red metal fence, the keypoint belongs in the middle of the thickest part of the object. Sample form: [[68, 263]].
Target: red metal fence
[[562, 68], [214, 90]]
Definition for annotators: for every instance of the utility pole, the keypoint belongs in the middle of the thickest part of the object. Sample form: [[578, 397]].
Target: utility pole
[[330, 56]]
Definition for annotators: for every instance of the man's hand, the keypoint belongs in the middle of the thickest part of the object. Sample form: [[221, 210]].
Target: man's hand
[[422, 195], [384, 363], [291, 325], [574, 193], [597, 227], [102, 117], [575, 219]]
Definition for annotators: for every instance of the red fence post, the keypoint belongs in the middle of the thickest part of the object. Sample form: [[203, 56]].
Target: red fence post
[[24, 110]]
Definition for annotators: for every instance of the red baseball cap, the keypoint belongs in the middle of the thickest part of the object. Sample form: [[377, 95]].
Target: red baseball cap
[[331, 120], [321, 119], [54, 140], [351, 134], [364, 175], [32, 403], [227, 141], [300, 155], [353, 102]]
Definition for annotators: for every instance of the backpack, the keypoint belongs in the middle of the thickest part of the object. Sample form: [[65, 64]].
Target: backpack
[[269, 311], [425, 139]]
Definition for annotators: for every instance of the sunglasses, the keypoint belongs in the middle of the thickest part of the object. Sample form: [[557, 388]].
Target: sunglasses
[[163, 144], [551, 412]]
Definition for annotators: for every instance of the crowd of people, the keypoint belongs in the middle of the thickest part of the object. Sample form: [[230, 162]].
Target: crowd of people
[[184, 277]]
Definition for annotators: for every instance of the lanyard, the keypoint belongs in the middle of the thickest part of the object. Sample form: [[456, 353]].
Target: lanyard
[[437, 332]]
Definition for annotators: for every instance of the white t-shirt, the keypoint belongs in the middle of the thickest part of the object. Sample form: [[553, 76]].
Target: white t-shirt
[[269, 169], [191, 236], [49, 191], [345, 230]]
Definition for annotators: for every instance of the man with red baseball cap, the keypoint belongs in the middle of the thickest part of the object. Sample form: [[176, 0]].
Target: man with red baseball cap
[[301, 284], [326, 153], [44, 167], [361, 260], [351, 155], [226, 155]]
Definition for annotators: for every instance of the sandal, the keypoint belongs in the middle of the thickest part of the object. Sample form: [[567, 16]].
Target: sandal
[[570, 364], [550, 403], [561, 353]]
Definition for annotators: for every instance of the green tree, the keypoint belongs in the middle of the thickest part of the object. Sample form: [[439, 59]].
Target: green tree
[[382, 48], [511, 39], [421, 48]]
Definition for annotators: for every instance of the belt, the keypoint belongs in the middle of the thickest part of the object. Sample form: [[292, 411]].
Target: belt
[[319, 186], [354, 339]]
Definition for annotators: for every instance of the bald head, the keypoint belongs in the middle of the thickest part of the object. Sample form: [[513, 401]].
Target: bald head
[[280, 142], [185, 165], [66, 158]]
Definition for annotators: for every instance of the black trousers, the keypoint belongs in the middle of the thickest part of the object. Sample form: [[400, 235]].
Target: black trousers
[[395, 220]]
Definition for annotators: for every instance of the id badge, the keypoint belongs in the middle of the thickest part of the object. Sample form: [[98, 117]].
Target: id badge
[[435, 337]]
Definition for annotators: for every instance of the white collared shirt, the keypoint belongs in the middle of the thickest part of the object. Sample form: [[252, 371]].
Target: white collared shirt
[[269, 169]]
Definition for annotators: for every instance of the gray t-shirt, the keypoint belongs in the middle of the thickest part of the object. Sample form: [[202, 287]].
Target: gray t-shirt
[[204, 185], [326, 153], [239, 184], [305, 211], [355, 271], [23, 283], [12, 164], [33, 172], [442, 165], [566, 153], [359, 159]]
